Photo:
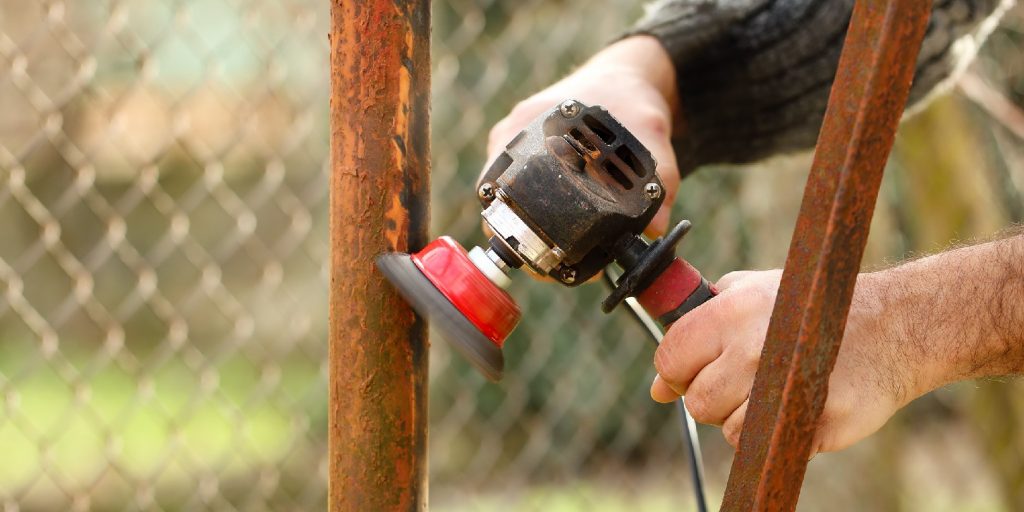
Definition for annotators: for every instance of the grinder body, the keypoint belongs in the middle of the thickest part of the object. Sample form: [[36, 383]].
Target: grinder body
[[568, 196]]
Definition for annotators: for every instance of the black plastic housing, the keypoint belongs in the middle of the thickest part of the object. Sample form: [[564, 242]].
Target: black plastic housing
[[579, 180]]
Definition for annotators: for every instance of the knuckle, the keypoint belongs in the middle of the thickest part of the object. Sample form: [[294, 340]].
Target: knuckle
[[764, 295], [823, 440], [699, 406], [836, 414], [825, 422], [732, 276], [519, 109], [668, 171], [654, 124], [524, 111], [723, 308], [664, 362], [699, 401], [725, 282], [497, 137], [677, 332], [670, 193], [670, 356], [731, 431], [751, 354], [828, 432]]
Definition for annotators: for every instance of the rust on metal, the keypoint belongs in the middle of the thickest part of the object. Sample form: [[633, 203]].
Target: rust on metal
[[379, 194], [866, 103]]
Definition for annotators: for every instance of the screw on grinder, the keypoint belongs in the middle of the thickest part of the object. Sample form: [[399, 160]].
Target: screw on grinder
[[568, 196]]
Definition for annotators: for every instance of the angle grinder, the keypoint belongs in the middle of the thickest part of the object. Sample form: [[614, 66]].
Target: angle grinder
[[569, 195]]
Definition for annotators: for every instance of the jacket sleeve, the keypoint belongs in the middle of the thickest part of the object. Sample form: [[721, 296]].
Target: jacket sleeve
[[754, 75]]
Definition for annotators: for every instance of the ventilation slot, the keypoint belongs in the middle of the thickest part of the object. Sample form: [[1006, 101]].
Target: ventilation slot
[[630, 159], [578, 137], [501, 164], [617, 174], [601, 130]]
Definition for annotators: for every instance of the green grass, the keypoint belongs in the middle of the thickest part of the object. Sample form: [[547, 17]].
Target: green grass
[[163, 427], [633, 492]]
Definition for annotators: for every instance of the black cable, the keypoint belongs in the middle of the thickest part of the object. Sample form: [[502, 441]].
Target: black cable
[[690, 438]]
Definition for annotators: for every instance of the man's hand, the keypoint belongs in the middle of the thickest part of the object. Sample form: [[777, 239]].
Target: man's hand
[[635, 80], [911, 329], [711, 355]]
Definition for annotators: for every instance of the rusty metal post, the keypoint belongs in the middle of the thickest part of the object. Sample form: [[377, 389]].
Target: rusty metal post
[[379, 194], [866, 103]]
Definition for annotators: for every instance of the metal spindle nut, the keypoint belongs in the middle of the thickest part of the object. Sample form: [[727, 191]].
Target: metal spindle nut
[[653, 190], [486, 191], [568, 275], [569, 108]]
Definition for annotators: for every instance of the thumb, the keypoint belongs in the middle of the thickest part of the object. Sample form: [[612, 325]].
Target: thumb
[[670, 183]]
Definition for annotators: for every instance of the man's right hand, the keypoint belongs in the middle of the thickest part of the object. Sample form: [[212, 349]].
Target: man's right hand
[[635, 80]]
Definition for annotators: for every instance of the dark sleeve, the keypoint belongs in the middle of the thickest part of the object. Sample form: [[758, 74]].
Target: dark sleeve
[[754, 75]]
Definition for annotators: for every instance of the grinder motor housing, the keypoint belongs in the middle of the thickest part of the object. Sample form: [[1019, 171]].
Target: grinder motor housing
[[566, 189]]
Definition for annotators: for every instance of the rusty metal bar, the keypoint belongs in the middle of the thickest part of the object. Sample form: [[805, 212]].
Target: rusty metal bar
[[867, 100], [379, 196]]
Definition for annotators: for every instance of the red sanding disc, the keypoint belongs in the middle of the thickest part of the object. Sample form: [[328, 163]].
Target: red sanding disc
[[442, 284]]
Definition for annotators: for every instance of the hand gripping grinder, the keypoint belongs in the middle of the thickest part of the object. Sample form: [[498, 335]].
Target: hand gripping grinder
[[568, 196]]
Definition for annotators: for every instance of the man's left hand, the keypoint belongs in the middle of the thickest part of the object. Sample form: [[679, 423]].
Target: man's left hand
[[712, 353]]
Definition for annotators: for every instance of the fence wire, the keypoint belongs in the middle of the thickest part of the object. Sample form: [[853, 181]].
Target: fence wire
[[163, 248]]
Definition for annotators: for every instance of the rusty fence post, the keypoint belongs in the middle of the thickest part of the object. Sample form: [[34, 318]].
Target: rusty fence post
[[864, 109], [379, 196]]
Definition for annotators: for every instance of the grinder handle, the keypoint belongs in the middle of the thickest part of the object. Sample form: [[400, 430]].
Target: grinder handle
[[676, 291]]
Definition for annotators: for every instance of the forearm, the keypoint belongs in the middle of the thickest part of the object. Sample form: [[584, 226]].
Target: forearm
[[955, 315], [754, 76], [911, 329]]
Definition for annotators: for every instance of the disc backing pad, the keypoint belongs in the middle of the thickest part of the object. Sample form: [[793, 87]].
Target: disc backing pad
[[430, 303]]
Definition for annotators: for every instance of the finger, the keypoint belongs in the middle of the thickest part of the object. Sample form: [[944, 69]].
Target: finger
[[508, 127], [659, 224], [500, 135], [820, 442], [661, 392], [733, 425], [668, 172], [833, 433], [689, 345], [730, 279], [717, 391]]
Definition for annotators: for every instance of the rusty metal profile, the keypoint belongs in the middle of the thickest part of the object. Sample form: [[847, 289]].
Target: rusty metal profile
[[867, 100], [379, 195]]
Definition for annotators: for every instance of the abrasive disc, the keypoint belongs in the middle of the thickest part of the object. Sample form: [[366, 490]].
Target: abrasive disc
[[430, 303]]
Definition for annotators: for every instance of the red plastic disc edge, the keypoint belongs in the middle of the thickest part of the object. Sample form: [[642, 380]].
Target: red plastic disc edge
[[447, 266]]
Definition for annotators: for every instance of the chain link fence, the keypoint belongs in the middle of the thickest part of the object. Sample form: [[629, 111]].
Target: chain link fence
[[162, 260]]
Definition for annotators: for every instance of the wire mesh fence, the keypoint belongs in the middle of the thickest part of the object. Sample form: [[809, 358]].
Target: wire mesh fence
[[163, 201], [163, 249]]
